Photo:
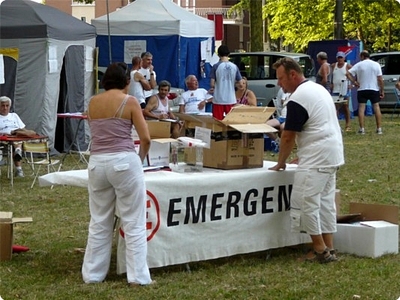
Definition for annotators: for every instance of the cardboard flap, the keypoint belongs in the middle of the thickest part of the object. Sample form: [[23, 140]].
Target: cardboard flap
[[164, 140], [22, 220], [195, 118], [253, 128], [376, 212], [248, 115], [6, 216]]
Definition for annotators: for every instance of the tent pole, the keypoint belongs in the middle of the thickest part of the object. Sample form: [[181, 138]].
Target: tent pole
[[109, 35]]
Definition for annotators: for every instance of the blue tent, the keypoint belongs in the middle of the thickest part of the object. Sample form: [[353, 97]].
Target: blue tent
[[171, 33]]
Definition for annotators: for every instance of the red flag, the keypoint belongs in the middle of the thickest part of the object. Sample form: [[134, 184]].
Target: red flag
[[218, 24]]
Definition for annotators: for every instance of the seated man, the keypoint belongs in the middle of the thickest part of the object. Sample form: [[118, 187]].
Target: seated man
[[194, 100], [158, 108], [10, 124]]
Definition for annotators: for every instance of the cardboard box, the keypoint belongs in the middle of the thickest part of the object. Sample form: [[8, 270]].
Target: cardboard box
[[7, 233], [237, 142], [159, 149], [375, 235]]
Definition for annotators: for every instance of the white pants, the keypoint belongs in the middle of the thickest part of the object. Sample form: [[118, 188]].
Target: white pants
[[116, 181], [312, 203]]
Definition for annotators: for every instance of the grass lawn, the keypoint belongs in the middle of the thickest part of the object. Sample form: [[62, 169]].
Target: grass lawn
[[51, 269]]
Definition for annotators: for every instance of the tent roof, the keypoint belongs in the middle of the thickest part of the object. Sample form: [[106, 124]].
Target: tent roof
[[154, 17], [28, 19]]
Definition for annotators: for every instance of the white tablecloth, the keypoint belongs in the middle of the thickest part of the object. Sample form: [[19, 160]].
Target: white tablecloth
[[216, 213]]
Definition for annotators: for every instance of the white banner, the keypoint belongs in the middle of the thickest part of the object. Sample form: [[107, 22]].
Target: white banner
[[216, 213]]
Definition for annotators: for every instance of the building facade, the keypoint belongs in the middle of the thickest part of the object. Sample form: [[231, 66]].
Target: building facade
[[236, 31]]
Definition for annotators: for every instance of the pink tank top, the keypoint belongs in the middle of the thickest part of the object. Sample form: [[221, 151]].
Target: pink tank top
[[113, 134]]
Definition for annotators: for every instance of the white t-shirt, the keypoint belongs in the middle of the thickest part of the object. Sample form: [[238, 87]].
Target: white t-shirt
[[146, 74], [226, 74], [339, 80], [10, 122], [191, 100], [367, 72], [136, 89], [320, 143]]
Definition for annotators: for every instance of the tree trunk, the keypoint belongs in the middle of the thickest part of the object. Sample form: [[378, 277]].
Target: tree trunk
[[256, 26]]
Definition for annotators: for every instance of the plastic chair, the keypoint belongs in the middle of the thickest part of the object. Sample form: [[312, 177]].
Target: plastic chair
[[34, 153], [397, 105]]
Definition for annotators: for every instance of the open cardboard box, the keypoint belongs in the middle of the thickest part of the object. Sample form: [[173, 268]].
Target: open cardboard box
[[237, 141], [7, 233], [375, 234]]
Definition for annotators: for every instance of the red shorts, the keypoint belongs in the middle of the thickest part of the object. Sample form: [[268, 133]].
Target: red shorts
[[218, 110]]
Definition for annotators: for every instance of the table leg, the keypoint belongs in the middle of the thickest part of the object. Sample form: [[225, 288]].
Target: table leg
[[72, 143]]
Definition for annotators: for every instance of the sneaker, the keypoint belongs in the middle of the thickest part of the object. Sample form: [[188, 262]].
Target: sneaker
[[19, 173], [17, 154], [379, 131], [361, 131]]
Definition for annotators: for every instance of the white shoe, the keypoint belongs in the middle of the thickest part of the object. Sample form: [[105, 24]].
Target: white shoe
[[361, 131], [19, 173], [379, 131]]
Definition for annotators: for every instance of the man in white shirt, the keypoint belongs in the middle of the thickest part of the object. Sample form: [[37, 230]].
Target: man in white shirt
[[194, 100], [138, 84], [312, 124], [9, 123], [366, 75], [147, 70]]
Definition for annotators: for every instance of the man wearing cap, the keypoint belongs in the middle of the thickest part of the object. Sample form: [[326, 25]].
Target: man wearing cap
[[340, 84]]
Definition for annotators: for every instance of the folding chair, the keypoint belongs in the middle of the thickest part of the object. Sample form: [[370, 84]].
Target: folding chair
[[34, 153], [397, 105]]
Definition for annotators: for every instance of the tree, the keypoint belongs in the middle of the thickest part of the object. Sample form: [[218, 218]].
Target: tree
[[254, 7], [375, 22]]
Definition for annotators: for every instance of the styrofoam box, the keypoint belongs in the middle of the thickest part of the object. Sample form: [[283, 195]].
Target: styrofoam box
[[367, 238]]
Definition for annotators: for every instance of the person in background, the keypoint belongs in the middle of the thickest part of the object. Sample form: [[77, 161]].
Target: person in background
[[311, 122], [322, 77], [340, 84], [194, 100], [279, 122], [116, 179], [224, 75], [366, 75], [243, 94], [10, 124], [398, 84], [158, 108], [147, 70], [138, 84]]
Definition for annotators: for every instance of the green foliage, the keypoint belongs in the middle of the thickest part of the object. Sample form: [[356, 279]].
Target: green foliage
[[296, 22]]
